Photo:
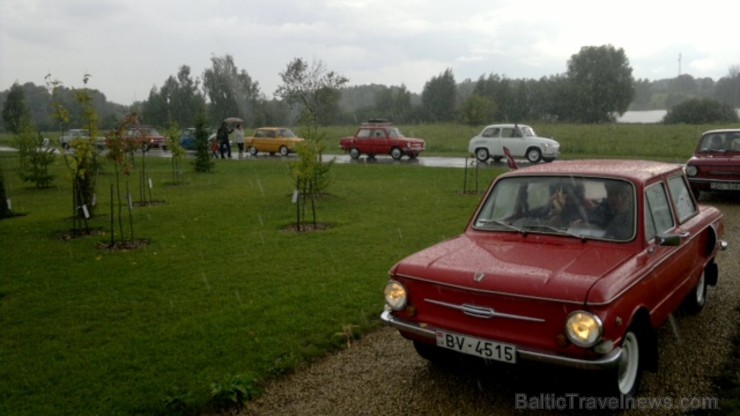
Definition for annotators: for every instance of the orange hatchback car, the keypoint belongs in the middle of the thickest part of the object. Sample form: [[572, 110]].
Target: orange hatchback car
[[272, 140]]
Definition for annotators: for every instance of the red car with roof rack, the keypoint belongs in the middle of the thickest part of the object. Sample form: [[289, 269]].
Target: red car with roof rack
[[381, 137]]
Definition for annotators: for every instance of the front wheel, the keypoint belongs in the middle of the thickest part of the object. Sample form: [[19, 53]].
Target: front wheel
[[481, 154], [283, 151], [396, 153], [630, 367], [534, 155], [354, 153], [252, 150]]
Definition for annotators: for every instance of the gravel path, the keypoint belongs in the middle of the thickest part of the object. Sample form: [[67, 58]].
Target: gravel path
[[382, 374]]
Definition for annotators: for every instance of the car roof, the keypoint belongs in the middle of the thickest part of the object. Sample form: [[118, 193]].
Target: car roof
[[717, 131], [637, 171]]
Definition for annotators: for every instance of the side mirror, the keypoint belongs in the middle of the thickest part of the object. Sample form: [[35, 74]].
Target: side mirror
[[670, 240]]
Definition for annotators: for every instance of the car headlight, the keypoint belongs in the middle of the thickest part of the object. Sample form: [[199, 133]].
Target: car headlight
[[583, 328], [395, 295], [692, 170]]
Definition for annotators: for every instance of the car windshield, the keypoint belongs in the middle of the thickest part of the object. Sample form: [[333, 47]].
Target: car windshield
[[721, 142], [286, 133], [393, 132], [581, 207], [527, 131]]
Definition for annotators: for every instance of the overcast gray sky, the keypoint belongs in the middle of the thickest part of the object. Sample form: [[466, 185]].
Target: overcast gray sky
[[130, 46]]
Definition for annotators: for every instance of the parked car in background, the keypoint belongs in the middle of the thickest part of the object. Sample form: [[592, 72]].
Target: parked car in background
[[187, 138], [75, 134], [715, 165], [520, 139], [146, 137], [380, 137], [272, 140], [574, 264]]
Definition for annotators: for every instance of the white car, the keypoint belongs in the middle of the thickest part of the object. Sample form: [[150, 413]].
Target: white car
[[519, 139], [75, 134]]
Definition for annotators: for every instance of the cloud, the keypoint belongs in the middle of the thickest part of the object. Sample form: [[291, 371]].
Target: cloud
[[130, 46]]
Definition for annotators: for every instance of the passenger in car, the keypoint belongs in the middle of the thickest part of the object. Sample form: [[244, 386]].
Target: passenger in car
[[616, 211]]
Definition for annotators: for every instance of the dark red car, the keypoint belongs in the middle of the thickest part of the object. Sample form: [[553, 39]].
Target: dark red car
[[715, 165], [147, 137], [574, 264], [379, 137]]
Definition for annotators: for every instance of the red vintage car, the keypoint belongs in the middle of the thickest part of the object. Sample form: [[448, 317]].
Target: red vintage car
[[146, 137], [575, 263], [715, 165], [379, 137]]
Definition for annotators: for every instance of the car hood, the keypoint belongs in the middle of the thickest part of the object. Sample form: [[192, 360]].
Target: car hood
[[534, 266], [715, 158], [544, 140]]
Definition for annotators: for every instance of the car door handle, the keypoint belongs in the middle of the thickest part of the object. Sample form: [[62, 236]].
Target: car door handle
[[684, 234]]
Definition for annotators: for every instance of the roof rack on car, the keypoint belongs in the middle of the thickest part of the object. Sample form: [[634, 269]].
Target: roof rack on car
[[377, 121]]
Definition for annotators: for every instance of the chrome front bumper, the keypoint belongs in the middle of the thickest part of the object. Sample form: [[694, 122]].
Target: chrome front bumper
[[608, 360]]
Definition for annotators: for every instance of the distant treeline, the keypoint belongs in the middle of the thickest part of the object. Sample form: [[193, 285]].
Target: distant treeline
[[572, 97]]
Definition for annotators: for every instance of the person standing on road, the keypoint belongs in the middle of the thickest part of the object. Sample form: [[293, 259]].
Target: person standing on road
[[239, 137], [223, 140]]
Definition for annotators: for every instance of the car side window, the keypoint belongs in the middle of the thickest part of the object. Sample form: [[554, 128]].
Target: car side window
[[508, 132], [491, 132], [685, 207], [379, 134], [364, 133], [658, 215]]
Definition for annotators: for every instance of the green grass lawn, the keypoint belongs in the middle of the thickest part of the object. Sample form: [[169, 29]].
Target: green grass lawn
[[221, 292]]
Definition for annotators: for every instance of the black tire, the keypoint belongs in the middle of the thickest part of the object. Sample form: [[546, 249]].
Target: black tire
[[354, 153], [396, 153], [625, 378], [253, 151], [696, 300], [482, 154], [284, 151], [534, 155]]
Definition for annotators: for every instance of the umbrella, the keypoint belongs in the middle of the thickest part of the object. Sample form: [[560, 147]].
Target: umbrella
[[233, 120]]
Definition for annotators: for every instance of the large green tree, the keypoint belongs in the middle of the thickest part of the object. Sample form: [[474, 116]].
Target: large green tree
[[313, 88], [439, 97], [602, 84], [178, 101], [728, 88], [393, 103], [231, 92], [15, 109]]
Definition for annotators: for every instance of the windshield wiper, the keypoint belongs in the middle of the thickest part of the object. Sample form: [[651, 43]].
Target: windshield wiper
[[556, 230], [498, 222]]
